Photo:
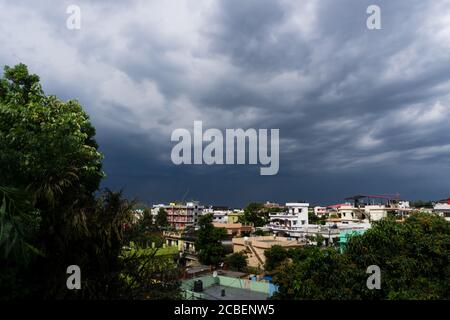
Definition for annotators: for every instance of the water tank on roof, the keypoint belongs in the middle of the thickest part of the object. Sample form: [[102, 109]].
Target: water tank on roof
[[198, 286]]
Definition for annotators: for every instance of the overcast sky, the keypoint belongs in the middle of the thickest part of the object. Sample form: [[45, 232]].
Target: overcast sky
[[359, 111]]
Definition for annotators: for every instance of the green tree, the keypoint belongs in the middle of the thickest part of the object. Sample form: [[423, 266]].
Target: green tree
[[274, 257], [146, 222], [208, 244], [313, 219], [148, 275], [413, 257], [50, 169], [47, 145], [48, 152], [161, 218], [317, 274], [236, 261], [255, 214], [421, 204]]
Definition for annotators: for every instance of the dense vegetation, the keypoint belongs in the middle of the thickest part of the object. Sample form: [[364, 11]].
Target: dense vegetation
[[236, 261], [50, 218], [414, 258], [208, 243]]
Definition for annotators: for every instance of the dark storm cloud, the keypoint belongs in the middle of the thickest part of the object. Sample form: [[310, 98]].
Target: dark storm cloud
[[358, 110]]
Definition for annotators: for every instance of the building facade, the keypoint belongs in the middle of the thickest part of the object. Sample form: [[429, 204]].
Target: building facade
[[181, 215]]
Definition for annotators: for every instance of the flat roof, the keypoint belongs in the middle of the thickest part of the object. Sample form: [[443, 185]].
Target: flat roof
[[215, 293]]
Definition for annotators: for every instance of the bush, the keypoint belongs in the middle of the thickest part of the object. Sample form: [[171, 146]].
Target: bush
[[236, 261]]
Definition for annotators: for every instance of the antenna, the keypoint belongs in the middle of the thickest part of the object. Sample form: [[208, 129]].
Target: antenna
[[185, 194]]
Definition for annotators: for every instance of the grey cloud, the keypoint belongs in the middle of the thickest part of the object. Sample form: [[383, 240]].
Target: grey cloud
[[349, 102]]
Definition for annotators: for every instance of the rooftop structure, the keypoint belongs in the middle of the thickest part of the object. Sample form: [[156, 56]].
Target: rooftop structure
[[254, 247], [296, 215], [223, 214], [221, 287], [442, 208]]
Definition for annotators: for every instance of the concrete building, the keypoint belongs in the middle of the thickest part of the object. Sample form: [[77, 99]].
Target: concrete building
[[222, 214], [320, 211], [296, 215], [220, 287], [181, 215], [234, 229], [442, 208], [254, 247]]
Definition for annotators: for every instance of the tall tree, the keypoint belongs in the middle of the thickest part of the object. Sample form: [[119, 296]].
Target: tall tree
[[50, 169], [161, 218], [256, 214], [208, 244]]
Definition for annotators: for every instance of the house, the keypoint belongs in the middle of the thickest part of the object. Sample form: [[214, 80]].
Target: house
[[295, 216], [320, 211], [233, 216], [442, 208], [234, 229], [254, 247], [181, 215]]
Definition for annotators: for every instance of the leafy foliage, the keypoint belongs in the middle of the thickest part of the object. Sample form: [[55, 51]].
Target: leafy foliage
[[50, 169], [414, 258], [274, 257], [236, 261], [255, 214], [161, 218], [208, 243], [148, 275]]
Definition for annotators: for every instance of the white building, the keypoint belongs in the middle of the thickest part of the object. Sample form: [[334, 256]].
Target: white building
[[371, 212], [295, 216], [220, 214], [294, 223], [320, 211], [442, 208]]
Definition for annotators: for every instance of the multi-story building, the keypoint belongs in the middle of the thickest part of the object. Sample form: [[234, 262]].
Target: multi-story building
[[442, 208], [223, 214], [296, 215], [320, 211], [181, 215], [219, 213], [372, 208]]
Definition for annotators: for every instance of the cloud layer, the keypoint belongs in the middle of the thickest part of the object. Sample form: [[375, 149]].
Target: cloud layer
[[358, 110]]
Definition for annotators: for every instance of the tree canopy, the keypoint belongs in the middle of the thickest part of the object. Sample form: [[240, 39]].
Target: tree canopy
[[208, 243], [256, 214], [413, 256], [50, 217]]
